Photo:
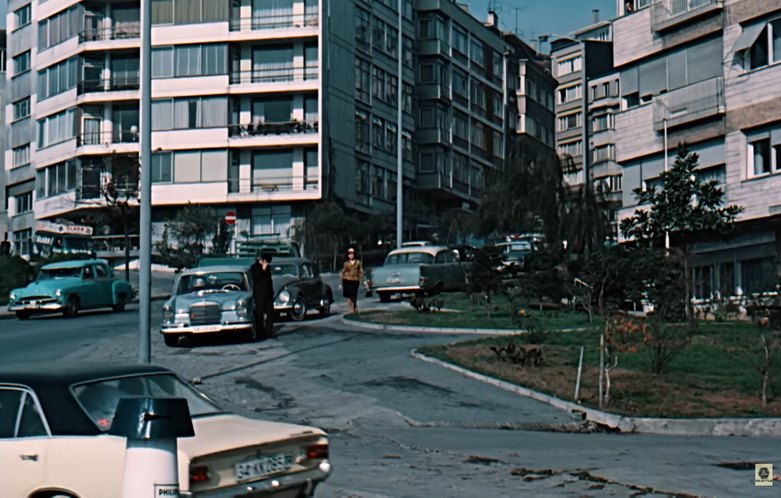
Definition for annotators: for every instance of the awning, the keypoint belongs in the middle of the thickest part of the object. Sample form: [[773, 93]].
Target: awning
[[748, 36], [21, 188]]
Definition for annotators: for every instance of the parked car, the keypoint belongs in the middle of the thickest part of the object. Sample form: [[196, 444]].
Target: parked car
[[418, 270], [514, 256], [299, 288], [68, 287], [209, 300], [54, 441], [218, 299]]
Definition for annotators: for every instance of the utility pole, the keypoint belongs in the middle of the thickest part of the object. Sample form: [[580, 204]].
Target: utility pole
[[399, 132], [145, 189]]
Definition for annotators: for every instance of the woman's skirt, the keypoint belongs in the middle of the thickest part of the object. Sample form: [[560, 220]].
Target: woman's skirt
[[350, 289]]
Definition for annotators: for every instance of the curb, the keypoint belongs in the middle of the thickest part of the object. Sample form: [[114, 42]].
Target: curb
[[7, 315], [427, 330], [753, 427]]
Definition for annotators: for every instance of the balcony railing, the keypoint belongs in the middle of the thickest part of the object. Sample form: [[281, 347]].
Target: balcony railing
[[113, 84], [690, 103], [274, 22], [126, 31], [280, 75], [667, 13], [107, 137], [282, 128], [270, 185]]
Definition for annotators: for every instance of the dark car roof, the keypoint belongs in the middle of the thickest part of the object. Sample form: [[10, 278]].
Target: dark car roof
[[51, 383]]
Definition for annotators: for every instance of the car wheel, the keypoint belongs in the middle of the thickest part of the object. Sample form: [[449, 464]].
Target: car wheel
[[384, 297], [298, 310], [120, 304], [172, 340], [71, 307], [23, 315], [251, 335], [325, 306]]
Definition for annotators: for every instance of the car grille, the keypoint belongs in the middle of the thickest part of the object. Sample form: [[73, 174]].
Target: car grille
[[38, 299], [205, 314]]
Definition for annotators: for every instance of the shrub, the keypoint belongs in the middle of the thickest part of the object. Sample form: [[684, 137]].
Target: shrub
[[14, 272]]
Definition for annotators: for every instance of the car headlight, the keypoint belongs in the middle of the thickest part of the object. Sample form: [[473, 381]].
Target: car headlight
[[283, 297], [242, 308], [168, 314], [12, 296], [58, 293]]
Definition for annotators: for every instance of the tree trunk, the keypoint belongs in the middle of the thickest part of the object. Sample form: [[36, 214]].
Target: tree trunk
[[687, 281], [127, 242], [601, 367], [765, 370]]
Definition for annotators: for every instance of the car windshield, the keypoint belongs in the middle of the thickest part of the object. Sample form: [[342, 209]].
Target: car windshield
[[50, 273], [77, 243], [406, 258], [212, 282], [99, 399], [287, 269]]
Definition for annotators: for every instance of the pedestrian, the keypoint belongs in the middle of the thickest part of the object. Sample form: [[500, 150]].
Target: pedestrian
[[263, 292], [352, 275]]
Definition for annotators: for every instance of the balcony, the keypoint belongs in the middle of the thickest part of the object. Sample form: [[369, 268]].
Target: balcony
[[690, 103], [273, 184], [127, 31], [113, 84], [278, 75], [666, 14], [108, 137], [283, 128], [284, 21]]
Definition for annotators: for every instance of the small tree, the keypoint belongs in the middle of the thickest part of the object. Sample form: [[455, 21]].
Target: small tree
[[684, 208], [185, 235]]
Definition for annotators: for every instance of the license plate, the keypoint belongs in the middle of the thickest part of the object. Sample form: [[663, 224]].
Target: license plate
[[394, 280], [261, 466], [206, 328], [34, 304]]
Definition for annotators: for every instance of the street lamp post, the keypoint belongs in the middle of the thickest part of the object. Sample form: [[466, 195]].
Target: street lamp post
[[399, 132], [145, 189]]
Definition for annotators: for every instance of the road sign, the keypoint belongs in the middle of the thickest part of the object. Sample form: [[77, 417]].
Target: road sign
[[230, 218]]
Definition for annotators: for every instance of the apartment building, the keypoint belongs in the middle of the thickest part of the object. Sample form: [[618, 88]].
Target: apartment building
[[4, 201], [577, 60], [259, 108], [705, 73]]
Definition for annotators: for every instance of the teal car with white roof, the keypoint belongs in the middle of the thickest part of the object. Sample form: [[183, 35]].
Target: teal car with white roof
[[68, 287]]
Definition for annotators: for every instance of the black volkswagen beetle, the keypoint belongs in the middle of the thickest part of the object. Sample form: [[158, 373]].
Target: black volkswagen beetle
[[298, 288]]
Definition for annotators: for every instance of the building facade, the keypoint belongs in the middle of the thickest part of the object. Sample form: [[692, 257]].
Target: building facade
[[259, 108], [705, 73]]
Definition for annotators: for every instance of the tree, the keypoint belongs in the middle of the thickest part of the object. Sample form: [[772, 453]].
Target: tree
[[684, 208], [184, 236]]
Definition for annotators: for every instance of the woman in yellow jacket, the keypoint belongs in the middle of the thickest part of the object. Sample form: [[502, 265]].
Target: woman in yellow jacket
[[352, 276]]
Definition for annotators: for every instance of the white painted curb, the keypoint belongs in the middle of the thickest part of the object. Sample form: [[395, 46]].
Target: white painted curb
[[753, 427]]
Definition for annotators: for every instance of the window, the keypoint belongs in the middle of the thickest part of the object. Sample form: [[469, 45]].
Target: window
[[378, 83], [22, 63], [189, 11], [22, 16], [567, 66], [761, 157], [362, 134], [190, 60], [60, 27], [758, 275], [477, 52], [391, 88], [460, 126], [21, 155], [460, 40], [570, 121], [198, 166], [498, 145], [57, 179], [391, 137], [603, 122], [460, 84], [406, 145], [269, 220], [478, 135], [23, 202], [187, 113], [62, 77], [56, 128], [603, 153], [569, 93], [407, 98], [22, 108], [378, 140], [362, 27], [761, 44], [427, 73], [571, 148], [407, 51], [161, 167], [22, 240], [362, 80]]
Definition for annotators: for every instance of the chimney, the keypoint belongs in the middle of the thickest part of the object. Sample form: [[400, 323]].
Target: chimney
[[464, 7], [595, 13], [493, 20]]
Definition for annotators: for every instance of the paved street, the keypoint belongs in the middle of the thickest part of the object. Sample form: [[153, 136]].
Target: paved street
[[401, 427]]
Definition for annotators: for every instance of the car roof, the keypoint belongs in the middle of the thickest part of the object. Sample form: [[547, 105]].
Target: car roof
[[431, 249], [200, 270], [73, 263]]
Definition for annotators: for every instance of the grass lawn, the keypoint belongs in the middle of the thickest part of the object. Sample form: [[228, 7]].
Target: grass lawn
[[459, 312], [712, 377]]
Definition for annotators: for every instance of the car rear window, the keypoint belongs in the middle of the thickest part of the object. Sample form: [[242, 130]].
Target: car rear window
[[409, 258], [99, 399]]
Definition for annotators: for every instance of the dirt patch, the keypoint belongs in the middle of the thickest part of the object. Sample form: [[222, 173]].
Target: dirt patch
[[633, 393]]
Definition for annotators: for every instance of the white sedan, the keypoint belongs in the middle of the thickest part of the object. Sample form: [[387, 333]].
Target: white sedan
[[54, 440]]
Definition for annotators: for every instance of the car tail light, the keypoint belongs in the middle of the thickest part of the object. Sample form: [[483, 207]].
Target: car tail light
[[317, 451], [199, 474]]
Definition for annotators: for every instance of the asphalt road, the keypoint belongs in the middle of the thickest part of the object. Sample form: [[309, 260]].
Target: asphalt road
[[400, 427]]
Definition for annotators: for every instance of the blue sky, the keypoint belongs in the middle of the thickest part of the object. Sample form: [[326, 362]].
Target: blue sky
[[537, 17]]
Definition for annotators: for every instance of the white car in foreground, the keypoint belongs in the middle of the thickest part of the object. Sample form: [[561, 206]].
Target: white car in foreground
[[54, 440]]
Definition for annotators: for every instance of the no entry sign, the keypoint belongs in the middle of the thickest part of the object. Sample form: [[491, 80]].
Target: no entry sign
[[230, 218]]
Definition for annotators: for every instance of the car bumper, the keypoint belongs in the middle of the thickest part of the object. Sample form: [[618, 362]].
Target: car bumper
[[399, 288], [299, 484], [205, 329], [45, 306]]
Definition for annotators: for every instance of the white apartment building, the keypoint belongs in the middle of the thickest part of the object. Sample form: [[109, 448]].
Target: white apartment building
[[259, 107], [707, 72]]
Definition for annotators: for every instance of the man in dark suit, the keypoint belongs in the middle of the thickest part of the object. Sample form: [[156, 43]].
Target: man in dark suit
[[263, 292]]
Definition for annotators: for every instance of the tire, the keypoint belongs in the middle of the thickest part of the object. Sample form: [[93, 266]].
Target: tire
[[23, 315], [119, 306], [251, 335], [172, 340], [71, 307], [325, 306], [384, 297], [298, 310]]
